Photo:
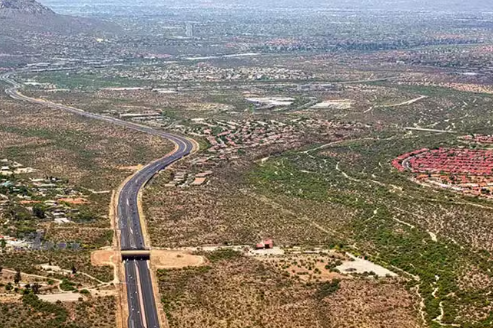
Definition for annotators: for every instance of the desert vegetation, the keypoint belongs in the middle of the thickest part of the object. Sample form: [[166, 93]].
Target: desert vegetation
[[87, 237], [243, 291], [30, 310], [308, 122], [29, 262], [94, 154], [393, 222]]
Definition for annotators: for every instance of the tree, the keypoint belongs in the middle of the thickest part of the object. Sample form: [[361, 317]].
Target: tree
[[18, 213], [36, 288], [17, 277], [39, 211], [3, 243], [85, 216]]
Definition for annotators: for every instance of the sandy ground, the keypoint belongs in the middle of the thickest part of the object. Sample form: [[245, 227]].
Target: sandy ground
[[333, 104], [359, 265], [404, 103], [105, 258], [163, 259], [121, 298], [134, 168], [10, 298], [65, 297]]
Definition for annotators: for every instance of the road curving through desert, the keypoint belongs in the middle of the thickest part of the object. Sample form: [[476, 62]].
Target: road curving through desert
[[142, 307]]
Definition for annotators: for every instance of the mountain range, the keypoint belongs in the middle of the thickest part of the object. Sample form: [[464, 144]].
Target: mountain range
[[19, 16], [27, 7]]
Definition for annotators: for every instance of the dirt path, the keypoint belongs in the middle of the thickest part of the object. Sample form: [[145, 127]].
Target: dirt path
[[32, 275], [404, 103], [442, 310], [334, 143], [428, 130], [344, 174]]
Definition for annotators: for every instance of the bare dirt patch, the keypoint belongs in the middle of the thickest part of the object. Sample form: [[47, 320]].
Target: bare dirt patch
[[362, 266], [133, 168], [105, 258], [175, 259], [62, 297]]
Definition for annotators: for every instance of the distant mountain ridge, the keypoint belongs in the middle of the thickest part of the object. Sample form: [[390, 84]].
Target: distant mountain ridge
[[153, 6], [20, 16], [23, 7]]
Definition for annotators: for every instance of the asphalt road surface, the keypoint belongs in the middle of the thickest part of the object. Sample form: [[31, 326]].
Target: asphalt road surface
[[141, 302]]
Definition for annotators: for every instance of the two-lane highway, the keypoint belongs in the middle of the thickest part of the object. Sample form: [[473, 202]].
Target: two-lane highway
[[141, 301]]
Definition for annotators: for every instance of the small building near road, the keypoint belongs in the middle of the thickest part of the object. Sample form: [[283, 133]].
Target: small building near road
[[265, 244]]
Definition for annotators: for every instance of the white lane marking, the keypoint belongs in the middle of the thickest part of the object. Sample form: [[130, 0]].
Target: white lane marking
[[139, 288]]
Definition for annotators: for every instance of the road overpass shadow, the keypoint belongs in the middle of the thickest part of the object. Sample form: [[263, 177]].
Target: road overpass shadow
[[136, 255]]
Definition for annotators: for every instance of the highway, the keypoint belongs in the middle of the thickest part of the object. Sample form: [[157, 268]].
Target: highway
[[141, 302]]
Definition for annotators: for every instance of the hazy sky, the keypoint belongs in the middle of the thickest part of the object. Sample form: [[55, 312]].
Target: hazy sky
[[441, 5]]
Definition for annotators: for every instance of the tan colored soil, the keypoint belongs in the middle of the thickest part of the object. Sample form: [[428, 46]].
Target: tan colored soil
[[131, 168], [105, 257], [75, 201], [175, 259]]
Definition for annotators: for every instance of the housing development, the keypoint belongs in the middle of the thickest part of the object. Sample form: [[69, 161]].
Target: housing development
[[225, 163]]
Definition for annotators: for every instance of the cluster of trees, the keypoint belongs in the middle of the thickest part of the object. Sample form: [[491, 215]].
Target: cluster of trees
[[28, 288], [326, 289], [57, 311]]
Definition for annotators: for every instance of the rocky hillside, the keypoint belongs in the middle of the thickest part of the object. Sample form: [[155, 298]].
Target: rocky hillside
[[23, 7], [18, 17]]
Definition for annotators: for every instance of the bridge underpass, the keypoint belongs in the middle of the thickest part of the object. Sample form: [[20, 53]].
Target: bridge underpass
[[136, 255]]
